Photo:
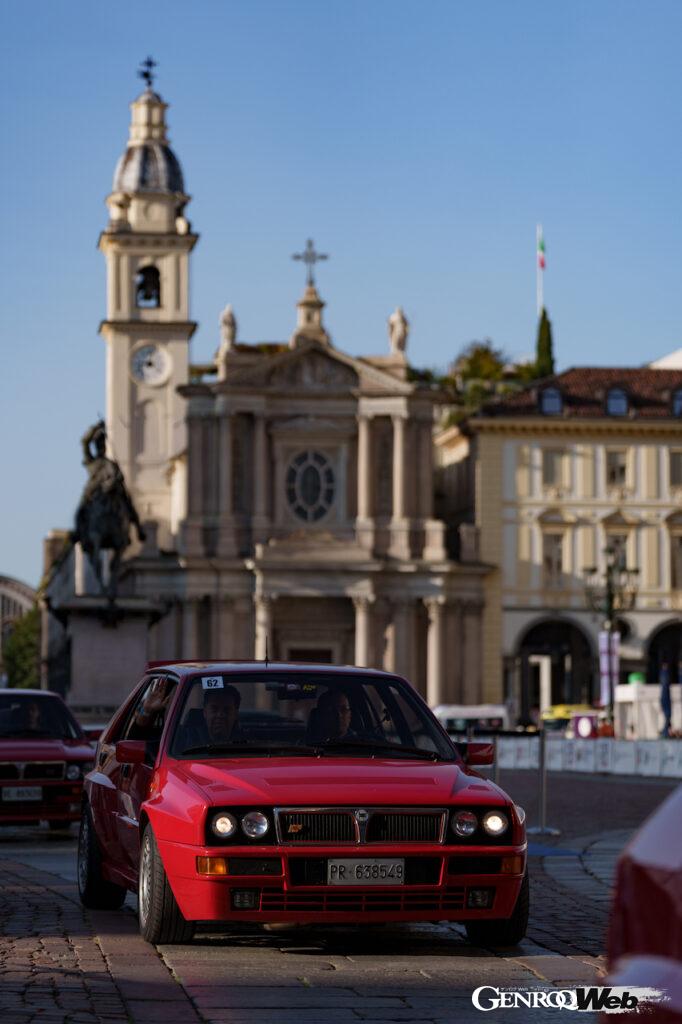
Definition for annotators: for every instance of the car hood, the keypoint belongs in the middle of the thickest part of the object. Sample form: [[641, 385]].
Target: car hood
[[45, 750], [346, 781]]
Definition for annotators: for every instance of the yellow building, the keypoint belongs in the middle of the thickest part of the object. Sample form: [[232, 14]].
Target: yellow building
[[551, 477]]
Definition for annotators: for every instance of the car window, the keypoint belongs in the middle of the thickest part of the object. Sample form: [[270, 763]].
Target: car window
[[307, 713], [148, 714], [36, 715]]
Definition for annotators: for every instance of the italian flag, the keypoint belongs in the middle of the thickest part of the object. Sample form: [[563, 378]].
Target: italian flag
[[541, 250]]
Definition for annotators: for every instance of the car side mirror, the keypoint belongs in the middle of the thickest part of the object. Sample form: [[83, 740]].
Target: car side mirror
[[479, 753], [131, 751]]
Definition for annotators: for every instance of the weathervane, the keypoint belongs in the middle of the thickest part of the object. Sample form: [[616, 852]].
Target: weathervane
[[310, 257], [146, 71]]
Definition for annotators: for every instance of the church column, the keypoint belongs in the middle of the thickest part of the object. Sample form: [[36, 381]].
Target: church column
[[260, 518], [363, 613], [193, 527], [473, 653], [404, 638], [400, 527], [425, 469], [263, 639], [190, 629], [365, 522], [223, 628], [434, 651], [226, 539]]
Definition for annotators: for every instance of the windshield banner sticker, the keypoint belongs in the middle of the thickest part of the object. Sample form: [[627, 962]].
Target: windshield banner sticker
[[212, 683]]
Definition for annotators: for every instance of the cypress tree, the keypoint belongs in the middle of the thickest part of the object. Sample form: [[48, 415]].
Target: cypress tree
[[544, 355]]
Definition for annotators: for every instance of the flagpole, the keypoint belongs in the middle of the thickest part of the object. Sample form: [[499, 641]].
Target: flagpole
[[538, 271]]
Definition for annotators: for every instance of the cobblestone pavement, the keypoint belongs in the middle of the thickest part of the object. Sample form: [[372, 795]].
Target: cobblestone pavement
[[63, 965]]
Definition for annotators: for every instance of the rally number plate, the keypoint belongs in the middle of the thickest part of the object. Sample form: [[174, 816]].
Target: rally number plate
[[364, 871], [22, 792]]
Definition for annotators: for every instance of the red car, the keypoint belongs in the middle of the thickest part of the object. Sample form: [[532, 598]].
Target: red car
[[295, 793], [44, 756]]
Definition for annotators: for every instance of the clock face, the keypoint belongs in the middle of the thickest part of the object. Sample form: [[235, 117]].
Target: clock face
[[150, 364]]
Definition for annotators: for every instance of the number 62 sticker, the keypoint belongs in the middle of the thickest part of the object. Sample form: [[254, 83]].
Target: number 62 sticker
[[212, 683]]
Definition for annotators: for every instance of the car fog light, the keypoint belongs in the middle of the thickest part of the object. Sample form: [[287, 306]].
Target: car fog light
[[224, 825], [255, 824], [464, 823], [495, 823], [480, 899], [245, 899], [73, 772]]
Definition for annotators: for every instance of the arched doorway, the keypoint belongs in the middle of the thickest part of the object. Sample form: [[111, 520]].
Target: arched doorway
[[557, 667], [665, 645]]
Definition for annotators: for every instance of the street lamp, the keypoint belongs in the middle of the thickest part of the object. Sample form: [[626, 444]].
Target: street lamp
[[608, 592]]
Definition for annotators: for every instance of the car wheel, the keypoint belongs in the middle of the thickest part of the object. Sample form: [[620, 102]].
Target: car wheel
[[506, 931], [55, 826], [160, 918], [94, 890]]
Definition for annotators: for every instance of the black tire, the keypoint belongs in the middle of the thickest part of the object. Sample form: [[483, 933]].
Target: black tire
[[161, 921], [55, 826], [94, 890], [506, 931]]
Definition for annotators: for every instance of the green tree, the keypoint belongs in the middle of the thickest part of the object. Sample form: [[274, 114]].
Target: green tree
[[21, 651], [544, 354], [480, 360]]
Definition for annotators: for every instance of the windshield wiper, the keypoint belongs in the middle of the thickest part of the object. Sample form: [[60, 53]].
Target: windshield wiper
[[245, 747], [374, 747]]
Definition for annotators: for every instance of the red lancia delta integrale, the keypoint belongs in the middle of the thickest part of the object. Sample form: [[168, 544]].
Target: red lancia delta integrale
[[295, 793], [44, 756]]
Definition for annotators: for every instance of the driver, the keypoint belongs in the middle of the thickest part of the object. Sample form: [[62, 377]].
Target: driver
[[219, 720]]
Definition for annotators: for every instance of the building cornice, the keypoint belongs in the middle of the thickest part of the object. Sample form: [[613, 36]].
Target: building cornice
[[145, 327], [526, 426]]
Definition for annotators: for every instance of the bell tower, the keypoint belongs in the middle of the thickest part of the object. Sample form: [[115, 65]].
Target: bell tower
[[146, 245]]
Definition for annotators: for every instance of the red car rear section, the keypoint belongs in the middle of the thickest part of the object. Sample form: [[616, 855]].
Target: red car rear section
[[361, 838]]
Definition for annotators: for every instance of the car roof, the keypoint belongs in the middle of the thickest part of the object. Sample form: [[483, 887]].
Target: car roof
[[185, 669]]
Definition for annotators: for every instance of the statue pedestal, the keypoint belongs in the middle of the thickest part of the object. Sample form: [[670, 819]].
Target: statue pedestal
[[108, 648]]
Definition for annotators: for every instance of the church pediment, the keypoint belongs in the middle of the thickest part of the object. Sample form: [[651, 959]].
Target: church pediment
[[312, 370]]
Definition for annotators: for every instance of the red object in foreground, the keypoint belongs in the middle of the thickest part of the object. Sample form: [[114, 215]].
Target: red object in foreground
[[44, 756], [652, 972], [295, 793]]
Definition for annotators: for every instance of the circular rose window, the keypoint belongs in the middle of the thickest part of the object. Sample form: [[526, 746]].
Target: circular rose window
[[310, 486]]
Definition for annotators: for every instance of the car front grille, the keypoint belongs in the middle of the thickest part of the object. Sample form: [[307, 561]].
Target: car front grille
[[298, 826], [355, 903], [405, 827], [32, 769]]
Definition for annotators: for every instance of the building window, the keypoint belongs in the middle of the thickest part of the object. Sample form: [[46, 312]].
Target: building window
[[675, 464], [552, 559], [676, 561], [552, 467], [677, 403], [310, 486], [616, 467], [551, 402], [617, 402], [148, 288]]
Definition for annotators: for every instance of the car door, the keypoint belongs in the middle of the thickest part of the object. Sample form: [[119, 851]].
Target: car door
[[135, 779]]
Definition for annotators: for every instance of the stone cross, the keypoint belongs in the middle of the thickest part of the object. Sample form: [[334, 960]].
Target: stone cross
[[146, 71], [310, 257]]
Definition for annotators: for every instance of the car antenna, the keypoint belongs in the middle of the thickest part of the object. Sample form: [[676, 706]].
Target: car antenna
[[266, 652]]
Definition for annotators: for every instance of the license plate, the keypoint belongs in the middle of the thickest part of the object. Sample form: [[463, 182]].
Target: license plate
[[22, 792], [364, 871]]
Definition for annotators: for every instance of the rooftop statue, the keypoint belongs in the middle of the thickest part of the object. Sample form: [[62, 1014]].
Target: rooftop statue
[[398, 329], [106, 511]]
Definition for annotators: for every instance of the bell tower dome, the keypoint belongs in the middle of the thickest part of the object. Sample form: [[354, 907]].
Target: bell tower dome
[[147, 330]]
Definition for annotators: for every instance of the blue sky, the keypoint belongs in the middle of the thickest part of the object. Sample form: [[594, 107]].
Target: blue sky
[[417, 142]]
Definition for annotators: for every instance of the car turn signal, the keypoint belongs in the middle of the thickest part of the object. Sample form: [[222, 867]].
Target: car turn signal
[[211, 866], [512, 865]]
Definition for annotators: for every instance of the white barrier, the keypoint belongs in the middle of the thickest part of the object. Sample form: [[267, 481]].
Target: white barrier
[[652, 758]]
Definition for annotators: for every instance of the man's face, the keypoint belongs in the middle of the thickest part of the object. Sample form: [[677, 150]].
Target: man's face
[[338, 715], [220, 715]]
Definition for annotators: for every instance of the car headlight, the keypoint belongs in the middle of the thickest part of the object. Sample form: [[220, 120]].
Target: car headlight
[[73, 772], [464, 823], [224, 825], [495, 823], [520, 814], [255, 824]]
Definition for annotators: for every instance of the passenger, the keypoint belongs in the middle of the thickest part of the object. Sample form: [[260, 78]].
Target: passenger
[[331, 719]]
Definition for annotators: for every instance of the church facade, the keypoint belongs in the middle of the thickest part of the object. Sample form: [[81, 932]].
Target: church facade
[[286, 490]]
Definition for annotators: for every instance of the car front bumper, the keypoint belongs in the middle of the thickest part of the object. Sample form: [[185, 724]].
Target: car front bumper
[[440, 883]]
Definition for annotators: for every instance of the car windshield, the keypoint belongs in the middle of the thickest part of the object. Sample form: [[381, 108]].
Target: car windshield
[[306, 714], [28, 715]]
